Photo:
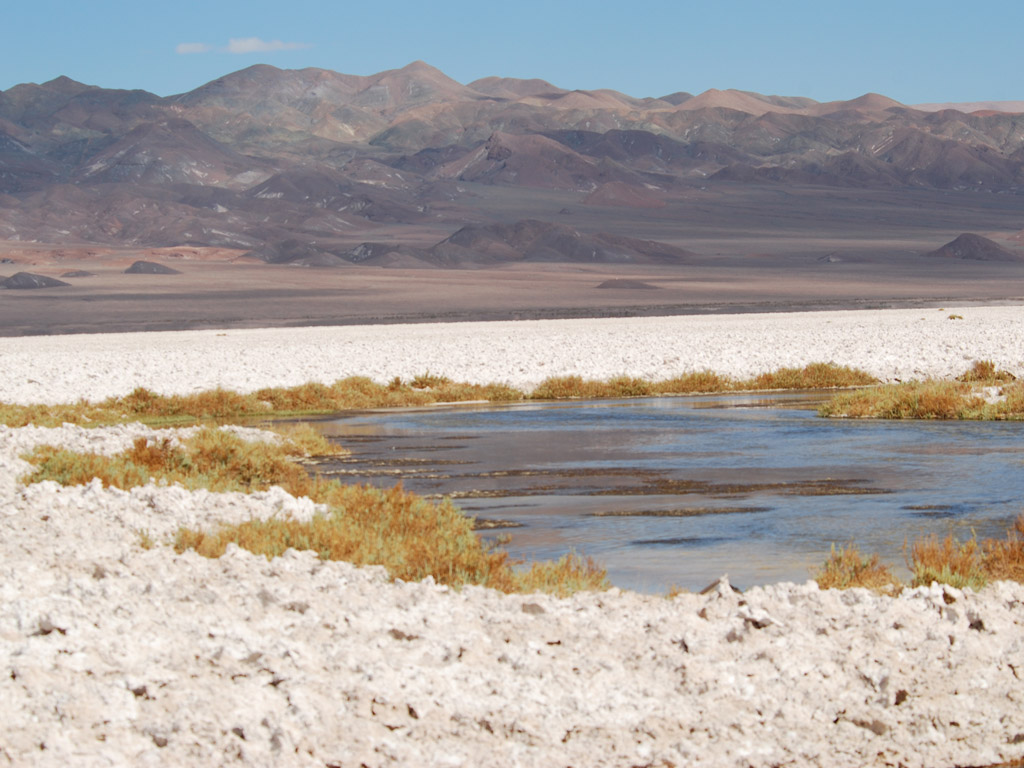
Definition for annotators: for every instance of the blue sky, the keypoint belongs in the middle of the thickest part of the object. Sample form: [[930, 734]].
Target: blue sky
[[911, 50]]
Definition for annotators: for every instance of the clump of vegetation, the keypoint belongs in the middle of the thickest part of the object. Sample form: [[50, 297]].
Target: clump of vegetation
[[813, 376], [569, 574], [412, 537], [955, 317], [985, 372], [215, 459], [303, 440], [699, 381], [969, 564], [947, 562], [1004, 559], [912, 400], [568, 387], [846, 568], [969, 397]]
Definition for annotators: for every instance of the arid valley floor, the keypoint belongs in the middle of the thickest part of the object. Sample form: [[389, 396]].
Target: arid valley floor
[[759, 249]]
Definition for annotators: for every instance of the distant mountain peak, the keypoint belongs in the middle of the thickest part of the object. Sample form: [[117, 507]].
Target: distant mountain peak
[[65, 84]]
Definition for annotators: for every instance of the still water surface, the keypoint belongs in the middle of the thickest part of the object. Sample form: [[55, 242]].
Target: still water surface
[[678, 491]]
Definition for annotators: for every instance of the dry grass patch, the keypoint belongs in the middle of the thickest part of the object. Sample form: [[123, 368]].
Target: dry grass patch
[[303, 440], [222, 405], [982, 393], [949, 400], [410, 536], [1004, 559], [947, 562], [813, 376], [847, 568], [969, 564], [215, 459], [569, 387], [570, 573], [700, 381], [985, 372], [913, 400]]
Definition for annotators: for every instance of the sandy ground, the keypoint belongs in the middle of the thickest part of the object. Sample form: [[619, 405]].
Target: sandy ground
[[111, 654]]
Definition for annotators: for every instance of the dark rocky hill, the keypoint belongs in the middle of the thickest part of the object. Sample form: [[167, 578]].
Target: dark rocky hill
[[974, 247]]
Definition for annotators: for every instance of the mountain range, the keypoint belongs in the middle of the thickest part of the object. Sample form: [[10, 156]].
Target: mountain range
[[320, 168]]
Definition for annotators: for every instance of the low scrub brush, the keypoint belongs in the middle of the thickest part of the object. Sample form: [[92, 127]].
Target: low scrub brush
[[947, 562], [982, 393], [970, 564], [571, 573], [985, 372], [410, 536], [1004, 559], [813, 376], [215, 459], [700, 381], [407, 534], [569, 387], [846, 568]]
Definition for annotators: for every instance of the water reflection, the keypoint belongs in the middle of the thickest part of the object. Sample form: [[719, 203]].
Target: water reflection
[[680, 490]]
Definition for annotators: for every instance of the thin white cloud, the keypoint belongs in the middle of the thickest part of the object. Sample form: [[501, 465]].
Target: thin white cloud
[[186, 48], [241, 45], [256, 45]]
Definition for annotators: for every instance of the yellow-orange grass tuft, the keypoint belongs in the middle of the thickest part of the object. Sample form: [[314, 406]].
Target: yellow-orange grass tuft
[[1005, 559], [305, 440], [934, 399], [947, 561], [566, 387], [812, 376], [699, 381], [985, 372], [912, 400], [570, 573], [410, 536], [214, 459], [846, 568]]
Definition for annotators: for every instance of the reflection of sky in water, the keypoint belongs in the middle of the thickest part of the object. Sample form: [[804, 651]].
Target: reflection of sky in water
[[960, 476]]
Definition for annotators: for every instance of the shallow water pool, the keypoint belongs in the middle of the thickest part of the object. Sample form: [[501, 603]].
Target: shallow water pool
[[678, 491]]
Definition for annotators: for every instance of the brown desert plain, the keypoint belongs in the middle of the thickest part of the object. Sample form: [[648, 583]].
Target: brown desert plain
[[752, 249]]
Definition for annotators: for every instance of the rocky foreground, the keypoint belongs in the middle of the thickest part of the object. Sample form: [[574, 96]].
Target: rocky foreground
[[114, 654]]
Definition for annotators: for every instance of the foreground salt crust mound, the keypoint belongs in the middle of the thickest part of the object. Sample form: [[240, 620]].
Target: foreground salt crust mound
[[890, 344], [113, 655]]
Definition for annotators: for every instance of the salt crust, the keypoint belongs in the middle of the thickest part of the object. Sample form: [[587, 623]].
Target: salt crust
[[115, 655], [891, 344]]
